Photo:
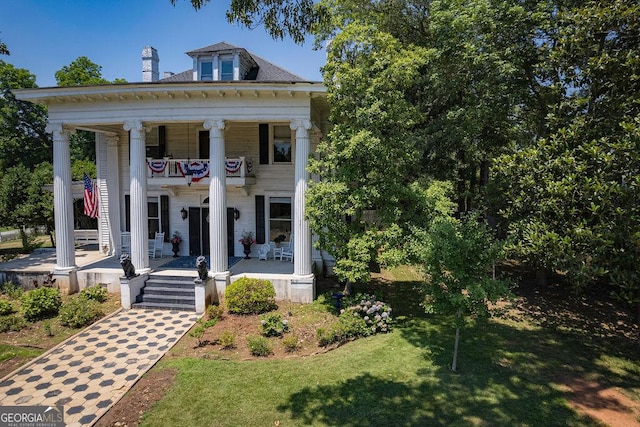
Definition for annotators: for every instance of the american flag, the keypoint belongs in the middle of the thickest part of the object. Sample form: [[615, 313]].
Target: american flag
[[90, 197]]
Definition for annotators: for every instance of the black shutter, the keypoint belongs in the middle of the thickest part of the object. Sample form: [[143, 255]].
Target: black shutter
[[162, 145], [263, 132], [260, 230], [164, 216], [127, 213]]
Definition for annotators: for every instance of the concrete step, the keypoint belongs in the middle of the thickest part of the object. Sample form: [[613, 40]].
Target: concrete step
[[167, 290], [164, 306]]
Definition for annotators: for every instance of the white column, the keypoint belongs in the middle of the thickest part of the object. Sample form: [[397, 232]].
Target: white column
[[62, 198], [217, 198], [302, 232], [113, 193], [138, 196]]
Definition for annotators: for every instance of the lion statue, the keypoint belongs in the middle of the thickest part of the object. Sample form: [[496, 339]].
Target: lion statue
[[127, 266], [203, 269]]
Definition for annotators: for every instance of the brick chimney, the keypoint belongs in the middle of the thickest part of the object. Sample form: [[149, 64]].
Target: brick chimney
[[150, 61]]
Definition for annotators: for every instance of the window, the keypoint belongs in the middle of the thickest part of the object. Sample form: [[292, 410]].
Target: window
[[281, 144], [153, 208], [158, 214], [279, 217], [206, 71], [226, 69]]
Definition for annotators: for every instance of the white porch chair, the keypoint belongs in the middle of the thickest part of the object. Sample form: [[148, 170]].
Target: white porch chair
[[125, 242], [287, 252], [156, 245], [263, 251]]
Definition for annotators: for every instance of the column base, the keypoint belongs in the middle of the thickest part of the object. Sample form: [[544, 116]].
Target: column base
[[204, 294], [220, 282], [130, 289], [66, 280], [303, 288]]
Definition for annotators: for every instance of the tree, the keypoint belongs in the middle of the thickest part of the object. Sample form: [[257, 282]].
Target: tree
[[568, 200], [457, 261], [81, 72], [418, 91], [288, 18], [4, 50], [23, 201], [23, 139]]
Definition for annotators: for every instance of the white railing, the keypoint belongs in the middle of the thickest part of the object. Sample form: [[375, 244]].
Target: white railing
[[238, 167]]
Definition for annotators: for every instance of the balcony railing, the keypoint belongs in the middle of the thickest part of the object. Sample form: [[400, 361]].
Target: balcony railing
[[238, 167]]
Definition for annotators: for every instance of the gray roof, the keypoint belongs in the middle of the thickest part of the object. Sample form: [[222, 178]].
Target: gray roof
[[267, 71]]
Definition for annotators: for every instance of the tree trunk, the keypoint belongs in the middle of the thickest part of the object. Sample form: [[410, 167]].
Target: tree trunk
[[454, 364]]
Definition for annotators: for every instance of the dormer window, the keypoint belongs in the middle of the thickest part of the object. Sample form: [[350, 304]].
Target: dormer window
[[226, 69], [206, 71]]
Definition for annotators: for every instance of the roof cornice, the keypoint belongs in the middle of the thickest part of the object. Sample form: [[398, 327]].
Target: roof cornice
[[173, 90]]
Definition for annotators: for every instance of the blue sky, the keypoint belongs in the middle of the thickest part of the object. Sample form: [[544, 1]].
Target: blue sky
[[45, 35]]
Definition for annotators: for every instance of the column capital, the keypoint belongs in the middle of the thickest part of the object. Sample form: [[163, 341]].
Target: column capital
[[112, 140], [300, 124], [214, 124], [57, 127], [133, 125]]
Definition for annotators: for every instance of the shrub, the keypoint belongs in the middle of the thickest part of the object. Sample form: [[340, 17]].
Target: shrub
[[78, 312], [215, 311], [95, 293], [12, 290], [348, 326], [291, 343], [197, 333], [273, 325], [376, 314], [250, 296], [259, 346], [12, 323], [227, 340], [41, 303], [47, 328], [6, 307], [202, 325]]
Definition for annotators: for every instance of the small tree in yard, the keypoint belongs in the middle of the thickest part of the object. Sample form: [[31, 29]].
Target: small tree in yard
[[457, 262]]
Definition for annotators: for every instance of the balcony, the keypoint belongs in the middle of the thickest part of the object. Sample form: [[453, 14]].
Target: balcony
[[171, 172]]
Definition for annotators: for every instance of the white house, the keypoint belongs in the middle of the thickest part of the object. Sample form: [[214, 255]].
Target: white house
[[244, 127]]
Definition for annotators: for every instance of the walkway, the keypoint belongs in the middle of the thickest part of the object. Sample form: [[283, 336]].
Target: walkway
[[88, 373]]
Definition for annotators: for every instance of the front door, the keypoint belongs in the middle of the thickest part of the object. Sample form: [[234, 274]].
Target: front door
[[198, 231], [230, 232]]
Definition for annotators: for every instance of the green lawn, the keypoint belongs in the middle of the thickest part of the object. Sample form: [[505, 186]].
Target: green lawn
[[510, 372]]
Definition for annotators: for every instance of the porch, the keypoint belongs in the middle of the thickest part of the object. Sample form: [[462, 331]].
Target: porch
[[96, 268]]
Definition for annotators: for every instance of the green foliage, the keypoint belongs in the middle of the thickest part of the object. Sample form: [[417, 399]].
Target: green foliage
[[41, 303], [6, 307], [457, 262], [227, 340], [46, 325], [376, 314], [273, 325], [201, 326], [250, 296], [23, 138], [259, 346], [215, 311], [95, 293], [291, 343], [349, 326], [12, 290], [79, 311], [13, 323], [80, 72], [286, 18]]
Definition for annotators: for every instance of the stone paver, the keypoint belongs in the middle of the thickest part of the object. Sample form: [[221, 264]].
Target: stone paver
[[91, 371]]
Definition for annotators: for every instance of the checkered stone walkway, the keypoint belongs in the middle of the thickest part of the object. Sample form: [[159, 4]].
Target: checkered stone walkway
[[91, 371]]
